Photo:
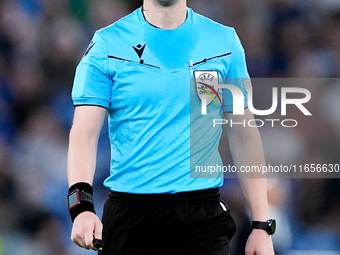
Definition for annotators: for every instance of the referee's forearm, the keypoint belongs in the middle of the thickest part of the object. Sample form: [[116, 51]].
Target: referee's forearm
[[246, 149], [81, 160], [255, 190]]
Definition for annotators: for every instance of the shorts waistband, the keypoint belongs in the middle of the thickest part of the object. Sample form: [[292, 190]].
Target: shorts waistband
[[180, 197]]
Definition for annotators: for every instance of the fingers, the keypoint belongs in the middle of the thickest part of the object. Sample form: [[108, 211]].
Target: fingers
[[86, 228], [95, 244], [88, 238], [97, 236], [80, 242], [98, 229]]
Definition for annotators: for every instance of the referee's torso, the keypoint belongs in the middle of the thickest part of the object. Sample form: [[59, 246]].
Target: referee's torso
[[143, 75]]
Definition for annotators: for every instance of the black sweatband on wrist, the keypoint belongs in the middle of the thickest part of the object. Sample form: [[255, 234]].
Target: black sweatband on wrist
[[84, 205]]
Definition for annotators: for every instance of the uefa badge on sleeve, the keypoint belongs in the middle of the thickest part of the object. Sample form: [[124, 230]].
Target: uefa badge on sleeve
[[205, 82], [248, 84]]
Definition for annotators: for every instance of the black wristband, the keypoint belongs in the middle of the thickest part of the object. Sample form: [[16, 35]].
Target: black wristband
[[84, 205]]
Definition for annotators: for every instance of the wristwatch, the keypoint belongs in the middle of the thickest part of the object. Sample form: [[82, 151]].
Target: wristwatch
[[76, 197], [269, 226]]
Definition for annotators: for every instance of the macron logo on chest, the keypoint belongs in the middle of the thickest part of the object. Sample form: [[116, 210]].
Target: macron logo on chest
[[139, 50]]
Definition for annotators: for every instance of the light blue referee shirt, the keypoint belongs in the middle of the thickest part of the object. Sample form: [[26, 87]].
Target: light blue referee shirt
[[142, 75]]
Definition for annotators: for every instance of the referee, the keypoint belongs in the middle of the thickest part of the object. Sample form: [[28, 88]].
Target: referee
[[138, 70]]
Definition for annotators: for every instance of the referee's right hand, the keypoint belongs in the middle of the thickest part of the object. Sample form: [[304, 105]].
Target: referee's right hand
[[86, 227]]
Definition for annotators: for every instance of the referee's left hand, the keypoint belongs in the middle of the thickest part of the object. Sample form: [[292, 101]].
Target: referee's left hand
[[259, 243]]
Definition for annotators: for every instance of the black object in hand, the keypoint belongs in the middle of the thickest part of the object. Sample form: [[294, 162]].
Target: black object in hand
[[98, 243]]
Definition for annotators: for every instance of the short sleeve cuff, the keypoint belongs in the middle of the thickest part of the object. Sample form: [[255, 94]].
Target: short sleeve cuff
[[91, 101]]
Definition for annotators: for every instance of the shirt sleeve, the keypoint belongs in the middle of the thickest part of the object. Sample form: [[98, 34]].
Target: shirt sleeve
[[237, 75], [92, 84]]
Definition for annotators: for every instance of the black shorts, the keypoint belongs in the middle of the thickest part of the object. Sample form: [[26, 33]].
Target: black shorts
[[196, 222]]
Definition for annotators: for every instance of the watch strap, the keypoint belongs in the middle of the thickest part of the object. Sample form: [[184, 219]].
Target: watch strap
[[259, 225], [269, 226], [84, 196]]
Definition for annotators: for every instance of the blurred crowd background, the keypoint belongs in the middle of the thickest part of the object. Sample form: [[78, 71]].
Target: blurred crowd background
[[41, 42]]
